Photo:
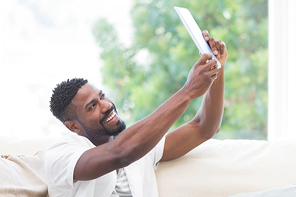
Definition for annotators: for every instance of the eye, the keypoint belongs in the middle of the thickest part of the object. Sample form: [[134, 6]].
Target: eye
[[92, 106], [102, 96]]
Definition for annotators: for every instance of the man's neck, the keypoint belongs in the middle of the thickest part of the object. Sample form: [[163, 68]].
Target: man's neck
[[98, 141], [101, 140]]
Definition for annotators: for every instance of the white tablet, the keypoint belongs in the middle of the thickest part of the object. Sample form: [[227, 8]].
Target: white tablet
[[195, 32]]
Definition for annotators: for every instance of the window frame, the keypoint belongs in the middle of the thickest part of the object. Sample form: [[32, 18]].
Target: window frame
[[281, 70]]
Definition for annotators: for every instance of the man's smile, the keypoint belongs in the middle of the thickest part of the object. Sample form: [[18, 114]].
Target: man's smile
[[110, 116]]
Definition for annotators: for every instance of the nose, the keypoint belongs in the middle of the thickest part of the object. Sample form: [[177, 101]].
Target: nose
[[105, 106]]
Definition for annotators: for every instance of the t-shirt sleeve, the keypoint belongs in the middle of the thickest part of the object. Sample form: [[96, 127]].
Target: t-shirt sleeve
[[60, 161], [157, 152]]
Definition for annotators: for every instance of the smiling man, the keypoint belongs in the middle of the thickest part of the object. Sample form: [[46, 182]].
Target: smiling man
[[90, 161]]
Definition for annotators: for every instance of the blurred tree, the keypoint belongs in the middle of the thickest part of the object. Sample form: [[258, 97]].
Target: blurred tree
[[155, 66]]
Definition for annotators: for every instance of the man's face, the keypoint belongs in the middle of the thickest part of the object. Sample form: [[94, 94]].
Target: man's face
[[96, 113]]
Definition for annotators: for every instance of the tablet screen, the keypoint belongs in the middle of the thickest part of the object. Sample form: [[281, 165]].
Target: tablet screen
[[195, 32]]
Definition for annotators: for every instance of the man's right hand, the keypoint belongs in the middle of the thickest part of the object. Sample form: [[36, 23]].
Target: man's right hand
[[201, 76]]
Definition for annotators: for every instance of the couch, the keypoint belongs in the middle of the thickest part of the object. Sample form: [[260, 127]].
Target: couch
[[217, 168]]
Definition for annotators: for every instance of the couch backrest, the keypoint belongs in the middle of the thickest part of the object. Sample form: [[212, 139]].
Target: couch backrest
[[220, 168], [24, 146]]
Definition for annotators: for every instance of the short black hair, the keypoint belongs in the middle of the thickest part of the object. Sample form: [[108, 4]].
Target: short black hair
[[60, 102]]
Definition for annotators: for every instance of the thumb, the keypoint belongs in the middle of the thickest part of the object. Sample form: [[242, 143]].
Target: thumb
[[204, 58]]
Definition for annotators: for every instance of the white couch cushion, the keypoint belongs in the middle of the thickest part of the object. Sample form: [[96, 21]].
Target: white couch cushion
[[228, 167], [285, 191]]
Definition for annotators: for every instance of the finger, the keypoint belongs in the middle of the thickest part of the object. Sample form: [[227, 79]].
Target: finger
[[222, 48], [213, 45], [205, 57], [214, 77], [211, 64], [214, 72], [205, 34], [219, 48]]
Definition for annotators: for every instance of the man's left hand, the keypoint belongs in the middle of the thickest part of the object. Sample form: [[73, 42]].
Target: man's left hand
[[218, 47]]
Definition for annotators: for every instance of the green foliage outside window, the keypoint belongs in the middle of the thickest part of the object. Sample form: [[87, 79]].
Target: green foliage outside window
[[146, 73]]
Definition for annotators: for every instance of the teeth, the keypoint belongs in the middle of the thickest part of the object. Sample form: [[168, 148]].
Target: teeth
[[112, 116]]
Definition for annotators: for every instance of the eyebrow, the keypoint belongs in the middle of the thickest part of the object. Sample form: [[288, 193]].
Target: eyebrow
[[92, 101], [89, 103]]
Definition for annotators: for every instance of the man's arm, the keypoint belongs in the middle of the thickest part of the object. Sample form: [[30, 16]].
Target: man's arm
[[207, 120], [139, 139]]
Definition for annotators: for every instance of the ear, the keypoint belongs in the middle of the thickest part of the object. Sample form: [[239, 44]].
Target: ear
[[71, 125]]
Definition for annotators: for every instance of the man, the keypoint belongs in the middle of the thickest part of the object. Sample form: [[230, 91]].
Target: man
[[91, 162]]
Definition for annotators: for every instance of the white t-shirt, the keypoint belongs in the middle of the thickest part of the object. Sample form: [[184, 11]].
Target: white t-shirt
[[60, 160]]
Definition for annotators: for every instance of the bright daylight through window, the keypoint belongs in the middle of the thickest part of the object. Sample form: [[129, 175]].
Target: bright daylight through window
[[142, 46]]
